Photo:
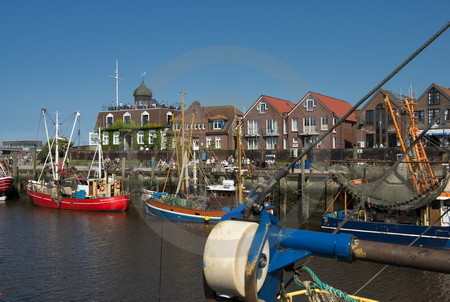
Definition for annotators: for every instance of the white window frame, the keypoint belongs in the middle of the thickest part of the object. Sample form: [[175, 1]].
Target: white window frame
[[177, 126], [324, 123], [262, 107], [334, 123], [271, 143], [252, 126], [218, 142], [208, 141], [151, 136], [126, 114], [252, 143], [105, 138], [294, 124], [116, 138], [217, 124], [140, 137], [309, 104], [272, 126], [142, 118], [167, 117], [309, 124], [112, 120]]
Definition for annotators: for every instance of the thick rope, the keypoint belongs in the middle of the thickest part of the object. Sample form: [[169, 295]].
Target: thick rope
[[318, 284]]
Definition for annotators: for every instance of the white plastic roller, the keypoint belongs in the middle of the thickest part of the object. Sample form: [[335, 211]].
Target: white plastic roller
[[225, 257]]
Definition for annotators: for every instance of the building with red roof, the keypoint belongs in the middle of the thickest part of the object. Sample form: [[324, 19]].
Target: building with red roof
[[313, 116], [264, 124]]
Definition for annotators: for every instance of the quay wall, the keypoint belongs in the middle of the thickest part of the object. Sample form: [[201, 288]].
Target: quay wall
[[316, 156]]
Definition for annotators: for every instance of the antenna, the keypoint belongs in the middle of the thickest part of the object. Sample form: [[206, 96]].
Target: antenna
[[117, 81], [411, 94]]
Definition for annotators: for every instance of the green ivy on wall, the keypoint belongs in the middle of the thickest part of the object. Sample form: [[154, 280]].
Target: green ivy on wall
[[133, 129]]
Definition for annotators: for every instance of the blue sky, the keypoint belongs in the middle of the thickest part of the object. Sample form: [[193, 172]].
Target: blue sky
[[59, 54]]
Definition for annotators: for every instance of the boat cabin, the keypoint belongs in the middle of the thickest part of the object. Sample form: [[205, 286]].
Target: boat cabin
[[82, 188]]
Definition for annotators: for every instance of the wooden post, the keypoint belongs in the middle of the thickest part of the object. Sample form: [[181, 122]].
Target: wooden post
[[302, 204], [34, 163], [15, 165], [152, 171], [283, 205], [123, 168], [355, 152]]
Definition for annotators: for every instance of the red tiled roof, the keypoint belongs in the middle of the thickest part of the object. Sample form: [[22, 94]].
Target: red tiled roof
[[338, 107], [282, 106], [218, 117], [446, 90]]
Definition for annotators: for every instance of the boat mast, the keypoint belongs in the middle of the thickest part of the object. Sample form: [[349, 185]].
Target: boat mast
[[100, 153], [57, 146], [182, 140], [49, 144], [116, 77], [77, 114], [239, 162]]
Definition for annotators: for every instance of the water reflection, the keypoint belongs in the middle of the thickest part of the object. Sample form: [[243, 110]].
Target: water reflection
[[52, 255]]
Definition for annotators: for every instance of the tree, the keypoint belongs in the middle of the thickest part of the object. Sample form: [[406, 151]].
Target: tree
[[63, 145]]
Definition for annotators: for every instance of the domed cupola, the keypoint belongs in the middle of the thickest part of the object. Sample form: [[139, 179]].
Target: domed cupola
[[143, 97], [143, 91]]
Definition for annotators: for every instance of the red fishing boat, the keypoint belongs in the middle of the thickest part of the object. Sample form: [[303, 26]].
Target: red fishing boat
[[6, 183], [89, 195], [69, 192]]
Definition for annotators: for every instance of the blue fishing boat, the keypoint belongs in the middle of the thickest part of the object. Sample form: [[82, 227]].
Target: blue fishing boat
[[404, 202], [391, 231]]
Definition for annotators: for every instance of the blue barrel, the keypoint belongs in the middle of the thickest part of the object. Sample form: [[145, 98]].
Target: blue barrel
[[80, 194], [307, 164], [204, 156]]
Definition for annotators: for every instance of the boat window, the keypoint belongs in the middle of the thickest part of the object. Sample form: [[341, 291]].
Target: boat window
[[83, 182]]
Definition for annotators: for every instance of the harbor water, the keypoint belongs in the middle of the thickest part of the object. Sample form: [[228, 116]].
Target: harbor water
[[57, 255]]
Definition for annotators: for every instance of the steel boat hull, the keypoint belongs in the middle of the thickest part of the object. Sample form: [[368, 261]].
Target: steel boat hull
[[115, 203], [161, 209], [434, 237]]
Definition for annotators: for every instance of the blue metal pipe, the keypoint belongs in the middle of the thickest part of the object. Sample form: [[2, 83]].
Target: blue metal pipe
[[324, 244]]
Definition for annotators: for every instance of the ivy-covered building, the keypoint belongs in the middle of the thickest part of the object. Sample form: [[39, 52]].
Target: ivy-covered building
[[138, 126]]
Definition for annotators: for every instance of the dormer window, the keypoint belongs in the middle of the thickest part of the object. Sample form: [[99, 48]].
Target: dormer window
[[218, 122], [262, 107], [169, 116], [309, 104], [109, 120], [145, 118], [127, 118]]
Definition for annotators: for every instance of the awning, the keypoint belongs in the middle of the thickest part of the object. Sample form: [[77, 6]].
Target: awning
[[436, 132]]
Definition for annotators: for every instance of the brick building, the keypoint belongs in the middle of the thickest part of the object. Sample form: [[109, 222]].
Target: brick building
[[434, 102], [375, 125], [314, 115], [141, 125], [264, 125], [210, 127]]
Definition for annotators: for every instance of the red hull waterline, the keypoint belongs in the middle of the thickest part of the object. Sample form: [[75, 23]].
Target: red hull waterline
[[116, 203], [6, 184]]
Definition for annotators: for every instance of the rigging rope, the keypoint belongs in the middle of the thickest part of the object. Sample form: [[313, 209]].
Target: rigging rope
[[316, 283]]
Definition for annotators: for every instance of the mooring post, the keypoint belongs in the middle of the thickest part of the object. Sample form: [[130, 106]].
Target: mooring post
[[14, 167], [302, 204], [123, 167]]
